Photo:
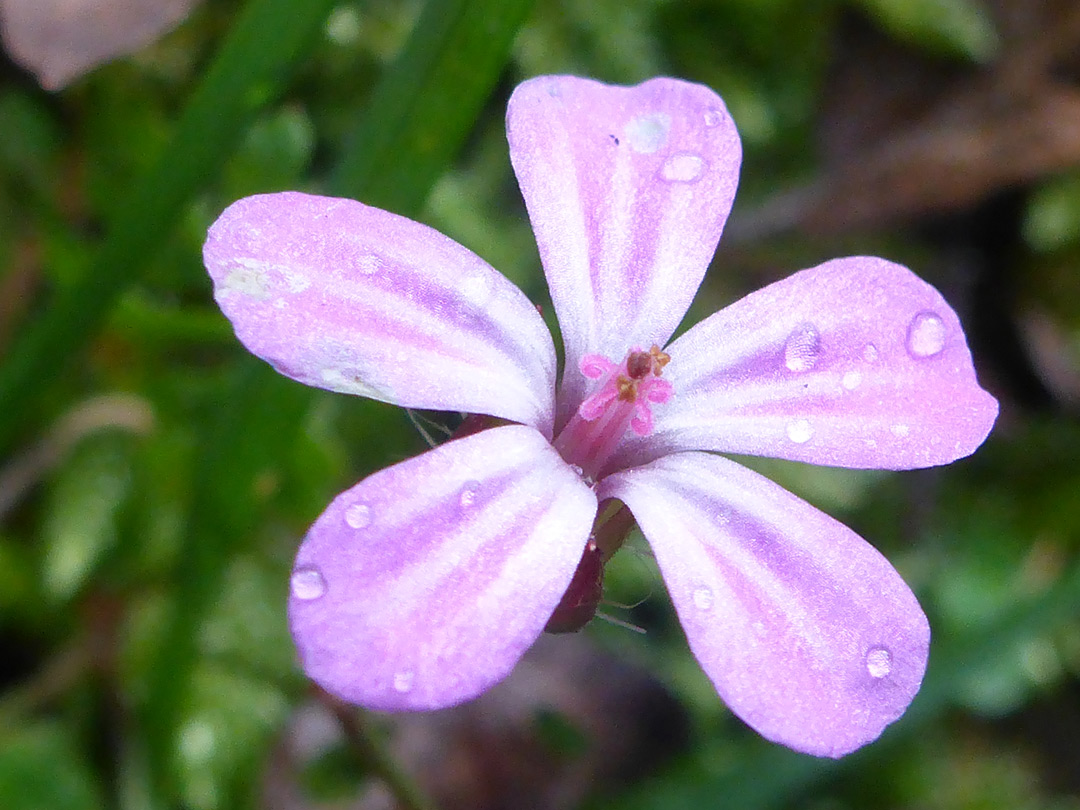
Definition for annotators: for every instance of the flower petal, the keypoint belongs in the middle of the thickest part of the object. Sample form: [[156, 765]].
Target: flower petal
[[343, 296], [628, 189], [854, 363], [806, 631], [421, 586]]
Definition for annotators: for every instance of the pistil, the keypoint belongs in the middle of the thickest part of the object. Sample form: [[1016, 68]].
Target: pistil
[[622, 402]]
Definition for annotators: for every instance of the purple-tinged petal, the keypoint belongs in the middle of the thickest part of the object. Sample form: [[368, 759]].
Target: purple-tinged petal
[[343, 296], [854, 363], [806, 631], [421, 586], [627, 189]]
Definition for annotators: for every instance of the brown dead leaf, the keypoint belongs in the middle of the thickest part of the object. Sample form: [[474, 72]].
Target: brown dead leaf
[[905, 135], [60, 40]]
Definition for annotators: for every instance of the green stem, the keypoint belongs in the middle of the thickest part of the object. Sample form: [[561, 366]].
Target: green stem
[[251, 68], [371, 748]]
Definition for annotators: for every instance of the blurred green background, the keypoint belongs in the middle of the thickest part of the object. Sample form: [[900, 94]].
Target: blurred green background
[[155, 480]]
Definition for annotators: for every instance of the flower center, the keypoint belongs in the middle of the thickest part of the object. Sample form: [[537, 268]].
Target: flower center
[[623, 401]]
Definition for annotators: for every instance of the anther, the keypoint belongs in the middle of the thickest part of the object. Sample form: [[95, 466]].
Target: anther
[[623, 400]]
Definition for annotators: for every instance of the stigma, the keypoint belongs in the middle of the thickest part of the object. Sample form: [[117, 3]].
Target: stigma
[[623, 401]]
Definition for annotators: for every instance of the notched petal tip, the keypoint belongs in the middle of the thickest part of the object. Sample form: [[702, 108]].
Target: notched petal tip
[[807, 632], [421, 586], [627, 189]]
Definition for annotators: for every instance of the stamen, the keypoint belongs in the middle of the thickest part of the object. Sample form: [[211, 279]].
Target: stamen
[[638, 365], [622, 402]]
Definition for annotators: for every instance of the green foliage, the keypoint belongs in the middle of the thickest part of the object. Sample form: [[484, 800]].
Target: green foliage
[[955, 27], [145, 658], [41, 767], [83, 512], [1053, 215]]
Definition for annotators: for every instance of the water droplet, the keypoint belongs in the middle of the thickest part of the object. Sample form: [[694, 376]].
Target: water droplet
[[703, 599], [926, 335], [358, 516], [403, 681], [683, 168], [900, 430], [369, 264], [878, 662], [249, 280], [307, 583], [852, 380], [800, 431], [802, 348], [870, 353], [468, 494], [713, 118], [580, 472], [477, 289], [647, 133], [294, 280]]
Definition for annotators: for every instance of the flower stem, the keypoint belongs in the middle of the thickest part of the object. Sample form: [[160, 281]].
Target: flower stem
[[371, 748]]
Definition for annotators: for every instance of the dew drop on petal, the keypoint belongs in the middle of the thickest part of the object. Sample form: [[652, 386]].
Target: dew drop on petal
[[249, 280], [878, 662], [800, 431], [852, 380], [703, 599], [870, 353], [802, 348], [403, 681], [713, 118], [358, 516], [926, 335], [369, 264], [307, 583], [293, 280], [477, 289], [683, 168], [647, 133], [468, 494]]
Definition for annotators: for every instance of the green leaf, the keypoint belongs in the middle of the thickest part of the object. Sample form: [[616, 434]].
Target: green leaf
[[250, 70], [18, 581], [762, 775], [82, 511], [230, 721], [1052, 219], [420, 113], [953, 27], [427, 103], [274, 153], [39, 769], [245, 628], [257, 421], [28, 141]]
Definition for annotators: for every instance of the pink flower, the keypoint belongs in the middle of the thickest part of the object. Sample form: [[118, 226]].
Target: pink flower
[[422, 585]]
